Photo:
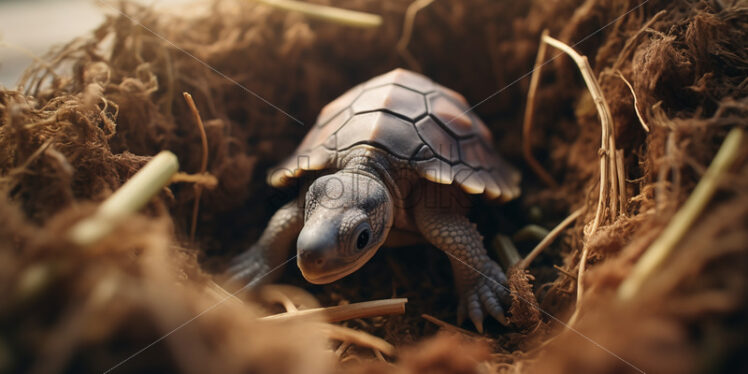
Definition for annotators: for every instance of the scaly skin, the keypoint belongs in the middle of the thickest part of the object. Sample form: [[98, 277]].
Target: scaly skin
[[364, 191], [256, 265], [480, 281]]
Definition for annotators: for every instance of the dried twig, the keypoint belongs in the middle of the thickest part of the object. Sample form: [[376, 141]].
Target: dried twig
[[448, 326], [402, 44], [340, 351], [328, 13], [622, 199], [206, 180], [129, 198], [613, 186], [282, 298], [529, 112], [345, 312], [361, 338], [609, 170], [549, 238], [379, 355], [340, 313], [684, 218], [606, 123], [203, 162], [565, 272]]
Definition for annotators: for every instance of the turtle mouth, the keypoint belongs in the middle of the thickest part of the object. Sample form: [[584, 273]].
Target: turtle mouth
[[332, 276]]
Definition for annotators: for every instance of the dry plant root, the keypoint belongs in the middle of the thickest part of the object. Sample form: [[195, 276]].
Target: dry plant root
[[610, 171], [549, 239], [128, 199], [608, 164], [402, 44], [636, 101], [203, 162], [565, 272], [611, 196], [527, 122], [663, 246]]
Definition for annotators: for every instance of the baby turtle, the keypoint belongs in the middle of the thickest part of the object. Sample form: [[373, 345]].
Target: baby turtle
[[397, 157]]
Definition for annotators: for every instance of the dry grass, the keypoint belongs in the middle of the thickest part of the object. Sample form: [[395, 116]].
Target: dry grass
[[94, 112]]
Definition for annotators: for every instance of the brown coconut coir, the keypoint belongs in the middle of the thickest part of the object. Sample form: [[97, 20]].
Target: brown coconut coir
[[89, 114]]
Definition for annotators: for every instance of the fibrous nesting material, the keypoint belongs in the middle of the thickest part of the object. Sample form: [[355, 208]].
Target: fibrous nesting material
[[89, 116]]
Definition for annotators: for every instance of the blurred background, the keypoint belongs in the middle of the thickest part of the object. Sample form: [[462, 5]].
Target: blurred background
[[31, 27]]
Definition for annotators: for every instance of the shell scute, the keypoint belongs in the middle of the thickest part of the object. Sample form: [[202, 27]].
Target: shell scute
[[454, 95], [321, 134], [482, 129], [471, 181], [424, 153], [492, 190], [414, 119], [472, 153], [395, 99], [438, 139], [452, 116], [335, 106], [405, 78], [392, 133], [435, 170]]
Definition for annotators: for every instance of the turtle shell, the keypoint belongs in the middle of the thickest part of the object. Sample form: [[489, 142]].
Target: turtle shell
[[415, 120]]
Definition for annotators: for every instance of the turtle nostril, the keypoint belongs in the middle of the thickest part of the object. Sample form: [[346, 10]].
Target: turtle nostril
[[312, 257], [314, 246]]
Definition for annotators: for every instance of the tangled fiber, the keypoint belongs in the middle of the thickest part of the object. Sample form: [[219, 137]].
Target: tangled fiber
[[90, 113]]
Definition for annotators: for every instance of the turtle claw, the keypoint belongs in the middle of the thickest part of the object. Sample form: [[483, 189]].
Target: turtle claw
[[484, 297], [493, 307], [475, 311]]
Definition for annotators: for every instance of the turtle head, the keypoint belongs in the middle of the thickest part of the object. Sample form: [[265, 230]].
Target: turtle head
[[347, 218]]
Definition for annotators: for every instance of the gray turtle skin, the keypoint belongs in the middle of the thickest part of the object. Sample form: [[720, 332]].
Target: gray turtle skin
[[398, 156]]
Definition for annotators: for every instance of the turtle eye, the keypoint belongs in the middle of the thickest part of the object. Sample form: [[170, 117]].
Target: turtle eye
[[363, 239], [363, 236]]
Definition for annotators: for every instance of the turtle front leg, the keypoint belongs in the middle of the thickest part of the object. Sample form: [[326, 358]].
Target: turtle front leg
[[259, 264], [480, 281]]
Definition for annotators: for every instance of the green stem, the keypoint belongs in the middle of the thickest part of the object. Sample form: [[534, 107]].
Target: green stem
[[328, 13], [128, 199], [661, 248]]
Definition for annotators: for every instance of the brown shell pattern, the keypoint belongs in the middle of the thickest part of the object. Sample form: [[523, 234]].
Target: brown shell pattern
[[413, 119]]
